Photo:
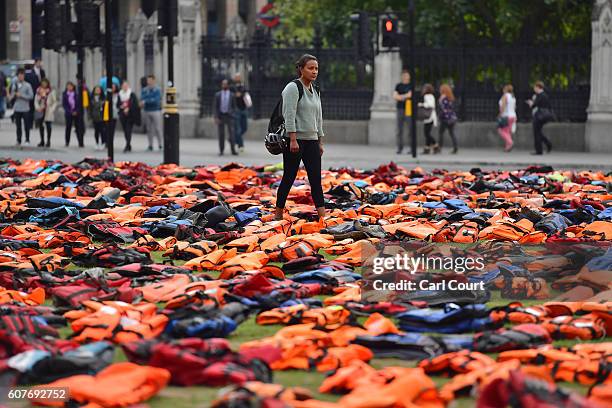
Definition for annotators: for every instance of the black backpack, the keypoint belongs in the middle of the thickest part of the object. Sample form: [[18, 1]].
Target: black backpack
[[276, 141]]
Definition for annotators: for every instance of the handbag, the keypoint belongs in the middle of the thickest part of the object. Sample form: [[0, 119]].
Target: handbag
[[502, 122], [38, 116], [248, 102], [424, 113], [545, 115]]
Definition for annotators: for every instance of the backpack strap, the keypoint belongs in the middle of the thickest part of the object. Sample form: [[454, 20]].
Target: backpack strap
[[300, 87]]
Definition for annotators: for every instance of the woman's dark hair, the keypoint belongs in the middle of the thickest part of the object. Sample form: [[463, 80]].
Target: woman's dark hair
[[427, 89], [301, 63], [93, 91], [45, 81], [69, 83]]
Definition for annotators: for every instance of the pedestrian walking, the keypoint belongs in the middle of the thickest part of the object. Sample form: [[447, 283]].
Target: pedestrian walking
[[427, 113], [506, 120], [45, 103], [402, 95], [34, 81], [150, 101], [70, 101], [542, 114], [3, 94], [96, 114], [304, 126], [38, 70], [241, 114], [224, 108], [448, 116], [21, 94], [109, 130], [129, 113]]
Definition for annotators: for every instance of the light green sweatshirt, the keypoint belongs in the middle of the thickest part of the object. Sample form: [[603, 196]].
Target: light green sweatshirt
[[304, 117]]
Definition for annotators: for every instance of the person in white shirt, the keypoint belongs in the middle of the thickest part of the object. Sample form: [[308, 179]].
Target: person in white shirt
[[429, 105], [507, 117]]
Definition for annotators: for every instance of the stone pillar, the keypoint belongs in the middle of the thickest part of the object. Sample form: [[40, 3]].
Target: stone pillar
[[19, 44], [135, 50], [187, 66], [387, 70], [599, 123]]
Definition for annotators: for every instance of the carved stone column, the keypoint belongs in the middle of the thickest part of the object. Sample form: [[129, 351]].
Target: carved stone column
[[387, 70], [599, 123], [187, 65]]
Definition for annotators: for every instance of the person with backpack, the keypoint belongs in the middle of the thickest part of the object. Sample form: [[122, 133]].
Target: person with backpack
[[448, 116], [303, 116]]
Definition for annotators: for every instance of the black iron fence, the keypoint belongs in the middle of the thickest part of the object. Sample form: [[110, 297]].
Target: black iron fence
[[345, 80], [479, 73]]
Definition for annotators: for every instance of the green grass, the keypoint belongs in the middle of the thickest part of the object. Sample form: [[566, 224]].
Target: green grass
[[179, 397]]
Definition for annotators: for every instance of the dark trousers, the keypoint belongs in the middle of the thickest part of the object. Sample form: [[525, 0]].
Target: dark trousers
[[429, 140], [240, 126], [76, 122], [225, 120], [41, 127], [99, 132], [538, 136], [401, 120], [310, 154], [127, 125], [21, 121], [451, 132]]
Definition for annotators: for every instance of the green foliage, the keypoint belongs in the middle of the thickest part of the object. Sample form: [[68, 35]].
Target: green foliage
[[444, 22]]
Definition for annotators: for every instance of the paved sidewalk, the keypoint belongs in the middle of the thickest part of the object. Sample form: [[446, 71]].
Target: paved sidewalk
[[205, 151]]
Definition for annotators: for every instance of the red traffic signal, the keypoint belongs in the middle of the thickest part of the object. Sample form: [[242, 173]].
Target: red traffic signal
[[389, 25], [389, 31]]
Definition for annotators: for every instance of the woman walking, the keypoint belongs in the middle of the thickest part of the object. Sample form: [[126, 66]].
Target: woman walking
[[129, 113], [448, 116], [45, 103], [96, 114], [507, 116], [431, 118], [304, 125], [71, 112], [542, 114]]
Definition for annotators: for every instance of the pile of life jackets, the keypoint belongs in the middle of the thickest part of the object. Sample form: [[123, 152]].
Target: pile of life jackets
[[186, 273]]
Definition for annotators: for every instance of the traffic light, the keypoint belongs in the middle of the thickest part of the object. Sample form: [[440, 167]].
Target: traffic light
[[67, 27], [363, 36], [389, 32], [88, 23], [52, 38], [38, 25], [167, 18]]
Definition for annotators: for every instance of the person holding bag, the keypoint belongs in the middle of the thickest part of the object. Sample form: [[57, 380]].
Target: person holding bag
[[506, 119], [542, 114], [301, 106], [45, 103], [427, 113]]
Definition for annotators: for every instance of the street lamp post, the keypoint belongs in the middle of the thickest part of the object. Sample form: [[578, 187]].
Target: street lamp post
[[413, 99], [108, 45], [171, 115]]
